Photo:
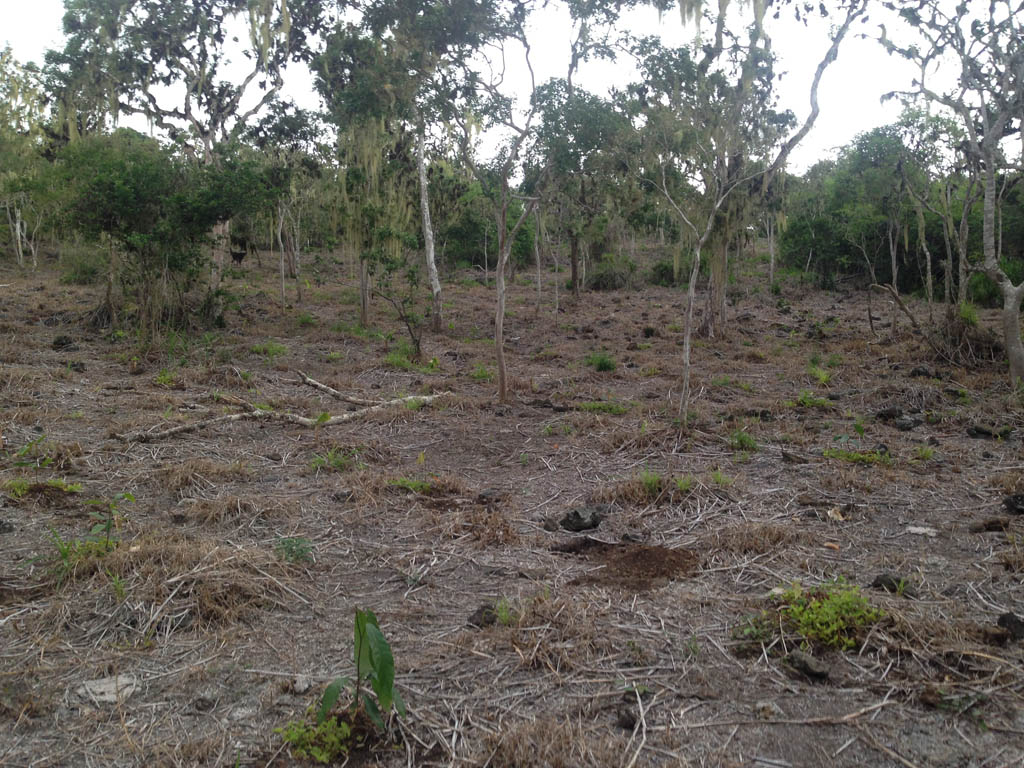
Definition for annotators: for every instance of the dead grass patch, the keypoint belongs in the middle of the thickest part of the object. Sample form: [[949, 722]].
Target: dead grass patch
[[754, 538], [548, 742], [234, 508], [199, 473]]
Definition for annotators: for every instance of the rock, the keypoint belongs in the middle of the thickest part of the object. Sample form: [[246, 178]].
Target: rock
[[906, 423], [808, 665], [626, 718], [768, 710], [484, 616], [107, 690], [490, 496], [205, 700], [76, 366], [792, 458], [550, 524], [991, 525], [923, 372], [585, 518], [986, 432], [301, 685], [6, 527], [895, 584], [890, 413], [1014, 504], [1012, 624], [343, 495]]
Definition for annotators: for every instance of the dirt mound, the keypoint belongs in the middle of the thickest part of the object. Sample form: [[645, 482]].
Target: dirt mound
[[638, 567]]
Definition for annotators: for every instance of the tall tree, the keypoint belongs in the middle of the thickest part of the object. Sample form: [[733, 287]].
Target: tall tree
[[167, 60], [985, 47]]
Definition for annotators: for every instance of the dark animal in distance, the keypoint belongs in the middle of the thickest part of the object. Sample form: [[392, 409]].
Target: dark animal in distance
[[237, 256]]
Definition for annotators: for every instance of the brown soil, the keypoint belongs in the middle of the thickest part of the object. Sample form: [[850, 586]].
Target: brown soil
[[225, 606]]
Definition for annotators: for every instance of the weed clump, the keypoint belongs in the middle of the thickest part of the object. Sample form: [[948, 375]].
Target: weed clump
[[831, 614]]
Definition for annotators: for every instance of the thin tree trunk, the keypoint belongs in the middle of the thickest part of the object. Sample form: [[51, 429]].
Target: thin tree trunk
[[428, 231], [771, 251], [364, 293], [280, 246], [574, 263], [536, 258], [894, 237], [691, 298], [487, 278]]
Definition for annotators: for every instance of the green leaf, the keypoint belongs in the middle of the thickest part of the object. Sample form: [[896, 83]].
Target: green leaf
[[399, 702], [383, 678], [362, 649], [373, 712], [330, 699]]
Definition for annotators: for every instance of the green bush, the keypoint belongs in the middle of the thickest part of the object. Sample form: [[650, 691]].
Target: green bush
[[611, 273], [662, 274], [601, 361], [830, 614], [82, 265]]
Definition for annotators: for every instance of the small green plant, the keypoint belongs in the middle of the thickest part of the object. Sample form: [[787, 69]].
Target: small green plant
[[686, 483], [740, 440], [831, 614], [322, 743], [722, 480], [505, 612], [968, 314], [819, 374], [334, 357], [270, 350], [17, 487], [294, 549], [808, 399], [414, 486], [652, 483], [117, 584], [858, 457], [306, 320], [754, 630], [165, 379], [834, 360], [375, 666], [108, 517], [481, 373], [601, 406], [924, 452], [601, 361], [333, 460]]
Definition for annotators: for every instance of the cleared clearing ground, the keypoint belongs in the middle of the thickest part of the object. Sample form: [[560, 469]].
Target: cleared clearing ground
[[207, 630]]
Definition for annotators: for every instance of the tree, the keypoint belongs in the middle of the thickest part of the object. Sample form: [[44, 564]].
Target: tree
[[986, 48], [166, 60], [153, 209], [706, 117], [22, 168]]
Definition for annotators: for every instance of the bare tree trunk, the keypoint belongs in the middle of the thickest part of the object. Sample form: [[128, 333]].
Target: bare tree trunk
[[487, 278], [364, 293], [771, 251], [714, 319], [894, 237], [428, 232], [691, 298], [536, 258], [923, 241], [499, 316], [574, 263], [15, 225], [281, 249], [221, 243]]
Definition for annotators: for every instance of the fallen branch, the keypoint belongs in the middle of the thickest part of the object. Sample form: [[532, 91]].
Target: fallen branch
[[146, 436], [335, 393], [913, 320], [841, 720]]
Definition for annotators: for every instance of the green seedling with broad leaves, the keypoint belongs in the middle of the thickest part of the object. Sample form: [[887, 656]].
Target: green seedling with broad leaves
[[375, 666]]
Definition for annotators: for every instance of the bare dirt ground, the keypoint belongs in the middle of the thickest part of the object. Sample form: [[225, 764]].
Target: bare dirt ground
[[652, 639]]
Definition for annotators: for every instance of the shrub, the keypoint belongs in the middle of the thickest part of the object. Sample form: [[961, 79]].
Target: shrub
[[82, 265], [830, 614], [611, 273], [601, 361], [662, 274]]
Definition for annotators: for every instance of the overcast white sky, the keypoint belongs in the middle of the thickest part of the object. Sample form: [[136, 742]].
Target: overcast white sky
[[849, 95]]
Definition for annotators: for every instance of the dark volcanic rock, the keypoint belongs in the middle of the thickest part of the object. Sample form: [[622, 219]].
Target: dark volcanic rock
[[814, 668]]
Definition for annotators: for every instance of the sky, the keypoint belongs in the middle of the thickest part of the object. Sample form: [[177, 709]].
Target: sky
[[849, 94]]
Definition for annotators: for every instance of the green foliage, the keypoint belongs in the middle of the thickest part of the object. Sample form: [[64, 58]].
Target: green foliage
[[165, 379], [270, 350], [612, 273], [819, 374], [685, 484], [323, 742], [334, 460], [858, 457], [306, 320], [481, 373], [108, 517], [374, 665], [652, 483], [968, 314], [663, 274], [409, 484], [601, 361], [808, 399], [722, 480], [505, 612], [831, 614], [924, 452], [17, 487], [740, 440], [294, 549], [82, 265]]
